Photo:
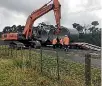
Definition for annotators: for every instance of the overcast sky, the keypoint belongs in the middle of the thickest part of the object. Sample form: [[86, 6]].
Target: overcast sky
[[79, 11]]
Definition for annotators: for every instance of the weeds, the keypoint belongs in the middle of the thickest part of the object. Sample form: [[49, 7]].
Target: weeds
[[22, 69]]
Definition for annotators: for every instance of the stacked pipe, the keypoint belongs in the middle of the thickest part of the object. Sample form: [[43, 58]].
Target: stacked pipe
[[44, 30]]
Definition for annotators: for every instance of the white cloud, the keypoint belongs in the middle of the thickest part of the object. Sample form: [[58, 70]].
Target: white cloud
[[79, 11], [9, 18], [42, 19], [75, 5]]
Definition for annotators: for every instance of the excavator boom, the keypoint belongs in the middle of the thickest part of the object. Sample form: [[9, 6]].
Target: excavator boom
[[55, 6], [40, 12]]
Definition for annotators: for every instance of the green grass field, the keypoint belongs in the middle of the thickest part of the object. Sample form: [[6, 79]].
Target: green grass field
[[23, 68]]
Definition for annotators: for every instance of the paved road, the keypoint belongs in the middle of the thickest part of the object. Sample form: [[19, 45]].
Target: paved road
[[80, 59], [3, 43], [94, 62]]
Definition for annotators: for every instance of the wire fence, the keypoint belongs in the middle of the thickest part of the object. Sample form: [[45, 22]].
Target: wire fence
[[55, 65]]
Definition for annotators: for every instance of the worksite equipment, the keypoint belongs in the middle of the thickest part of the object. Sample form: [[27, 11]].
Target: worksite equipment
[[45, 33], [25, 36], [71, 32]]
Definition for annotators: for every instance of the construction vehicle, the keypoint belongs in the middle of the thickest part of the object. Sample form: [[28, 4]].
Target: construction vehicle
[[26, 39]]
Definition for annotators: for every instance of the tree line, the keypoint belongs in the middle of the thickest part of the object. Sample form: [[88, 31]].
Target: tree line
[[89, 33]]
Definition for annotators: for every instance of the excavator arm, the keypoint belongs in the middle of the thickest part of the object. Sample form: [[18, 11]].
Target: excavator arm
[[27, 32], [40, 12]]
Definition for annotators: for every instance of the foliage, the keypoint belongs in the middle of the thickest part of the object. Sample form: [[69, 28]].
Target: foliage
[[90, 34], [78, 27], [95, 23]]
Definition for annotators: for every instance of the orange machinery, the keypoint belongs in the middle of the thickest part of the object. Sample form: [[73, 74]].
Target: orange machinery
[[27, 32]]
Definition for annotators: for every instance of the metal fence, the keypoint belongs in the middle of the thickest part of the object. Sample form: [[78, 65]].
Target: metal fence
[[55, 65]]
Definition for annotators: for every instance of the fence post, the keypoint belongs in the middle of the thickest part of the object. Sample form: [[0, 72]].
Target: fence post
[[16, 53], [11, 53], [8, 50], [58, 76], [0, 51], [30, 56], [29, 52], [87, 70], [5, 49], [21, 52], [23, 64], [41, 58]]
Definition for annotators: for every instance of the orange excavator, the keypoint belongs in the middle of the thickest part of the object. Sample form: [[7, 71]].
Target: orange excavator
[[25, 38]]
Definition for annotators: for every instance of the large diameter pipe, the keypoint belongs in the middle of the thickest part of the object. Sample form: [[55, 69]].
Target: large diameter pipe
[[72, 33]]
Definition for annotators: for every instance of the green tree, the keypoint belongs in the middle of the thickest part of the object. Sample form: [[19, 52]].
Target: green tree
[[95, 23], [93, 37], [78, 27], [93, 28]]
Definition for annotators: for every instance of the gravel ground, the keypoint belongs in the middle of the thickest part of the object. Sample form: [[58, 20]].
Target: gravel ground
[[72, 54], [75, 55], [2, 42]]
